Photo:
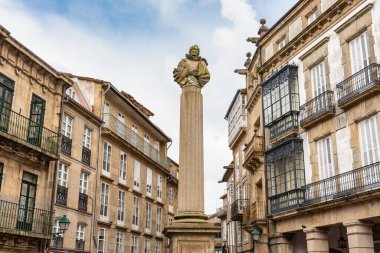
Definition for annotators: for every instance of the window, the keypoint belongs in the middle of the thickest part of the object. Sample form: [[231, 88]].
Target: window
[[170, 221], [107, 150], [281, 44], [120, 124], [104, 200], [149, 182], [70, 93], [244, 170], [237, 167], [80, 232], [134, 244], [231, 190], [119, 242], [101, 240], [135, 217], [106, 113], [83, 183], [312, 17], [359, 53], [120, 207], [171, 196], [238, 232], [325, 161], [148, 213], [123, 167], [147, 246], [136, 175], [134, 134], [159, 187], [369, 140], [158, 247], [318, 79], [1, 173], [62, 174], [158, 222], [146, 144], [87, 138], [67, 126]]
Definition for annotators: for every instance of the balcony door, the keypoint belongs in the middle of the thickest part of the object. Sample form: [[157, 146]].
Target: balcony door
[[318, 77], [326, 170], [36, 120], [6, 96], [27, 202], [120, 124]]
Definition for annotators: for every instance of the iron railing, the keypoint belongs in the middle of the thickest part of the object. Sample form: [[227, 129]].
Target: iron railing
[[283, 125], [61, 195], [358, 83], [79, 245], [58, 242], [66, 144], [82, 202], [24, 220], [254, 213], [237, 209], [86, 155], [317, 107], [133, 139], [26, 130], [345, 184], [286, 201]]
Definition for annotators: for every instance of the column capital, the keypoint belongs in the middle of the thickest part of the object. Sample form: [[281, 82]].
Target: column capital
[[315, 230], [357, 223]]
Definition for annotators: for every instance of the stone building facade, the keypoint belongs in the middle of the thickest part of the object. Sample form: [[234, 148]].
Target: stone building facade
[[318, 69], [31, 94]]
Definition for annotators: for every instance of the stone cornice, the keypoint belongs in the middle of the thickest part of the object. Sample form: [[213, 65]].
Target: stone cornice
[[254, 97], [321, 24]]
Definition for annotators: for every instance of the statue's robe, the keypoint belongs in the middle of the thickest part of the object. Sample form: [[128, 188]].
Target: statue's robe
[[191, 66]]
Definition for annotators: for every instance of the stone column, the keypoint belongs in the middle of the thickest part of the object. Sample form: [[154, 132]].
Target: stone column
[[360, 237], [316, 240], [280, 244]]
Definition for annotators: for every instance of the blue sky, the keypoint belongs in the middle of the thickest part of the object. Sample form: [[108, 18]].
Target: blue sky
[[135, 44]]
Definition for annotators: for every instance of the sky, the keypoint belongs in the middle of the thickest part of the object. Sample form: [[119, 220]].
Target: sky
[[135, 44]]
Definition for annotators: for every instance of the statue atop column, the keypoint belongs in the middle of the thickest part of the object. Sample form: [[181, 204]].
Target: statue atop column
[[192, 70]]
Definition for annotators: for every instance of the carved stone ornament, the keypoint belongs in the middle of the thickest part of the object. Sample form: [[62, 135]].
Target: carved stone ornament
[[192, 70], [2, 60]]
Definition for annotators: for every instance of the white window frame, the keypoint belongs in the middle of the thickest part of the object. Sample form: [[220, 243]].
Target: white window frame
[[237, 167], [171, 196], [147, 245], [83, 183], [159, 187], [369, 133], [120, 124], [325, 158], [149, 179], [123, 168], [158, 220], [359, 55], [80, 232], [312, 17], [281, 44], [135, 215], [87, 132], [146, 144], [134, 134], [318, 78], [121, 208], [136, 175], [106, 113], [148, 217], [63, 175], [70, 93], [158, 247], [101, 238], [107, 157], [104, 201], [134, 244], [67, 125], [119, 242]]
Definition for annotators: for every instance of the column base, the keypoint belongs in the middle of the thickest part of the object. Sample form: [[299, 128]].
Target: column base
[[190, 217], [188, 237]]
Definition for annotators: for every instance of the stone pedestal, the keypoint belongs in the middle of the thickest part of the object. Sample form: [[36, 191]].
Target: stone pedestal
[[316, 240], [280, 244], [360, 237]]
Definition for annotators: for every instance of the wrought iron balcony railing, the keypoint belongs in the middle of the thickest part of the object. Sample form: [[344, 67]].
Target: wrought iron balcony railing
[[27, 131], [286, 201], [61, 195], [82, 202], [254, 149], [119, 128], [66, 143], [25, 220], [58, 242], [345, 184], [79, 245], [86, 155], [237, 209], [254, 213], [359, 85], [317, 109]]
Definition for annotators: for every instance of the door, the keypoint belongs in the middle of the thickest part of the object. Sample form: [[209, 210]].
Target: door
[[120, 124], [27, 202], [319, 87], [36, 120], [6, 96], [106, 115]]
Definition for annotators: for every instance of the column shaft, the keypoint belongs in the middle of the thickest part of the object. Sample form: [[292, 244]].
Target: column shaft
[[360, 238], [316, 240]]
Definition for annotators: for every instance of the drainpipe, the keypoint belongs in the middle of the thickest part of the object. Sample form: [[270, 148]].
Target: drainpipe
[[94, 205]]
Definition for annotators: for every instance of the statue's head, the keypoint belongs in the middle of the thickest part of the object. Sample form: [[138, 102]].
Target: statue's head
[[194, 50]]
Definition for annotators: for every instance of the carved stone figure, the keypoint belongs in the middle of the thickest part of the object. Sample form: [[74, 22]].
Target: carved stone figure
[[192, 70]]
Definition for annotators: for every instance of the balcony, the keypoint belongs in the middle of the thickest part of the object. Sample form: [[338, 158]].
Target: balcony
[[236, 126], [86, 156], [61, 195], [254, 151], [25, 221], [286, 201], [138, 143], [319, 108], [82, 202], [359, 86], [79, 245], [17, 128], [343, 185], [58, 242], [221, 211], [237, 209], [254, 214], [66, 145]]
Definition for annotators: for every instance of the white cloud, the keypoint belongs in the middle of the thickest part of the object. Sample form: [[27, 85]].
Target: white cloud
[[144, 66]]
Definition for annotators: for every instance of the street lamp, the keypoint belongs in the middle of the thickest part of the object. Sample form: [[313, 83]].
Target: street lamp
[[255, 234], [64, 223]]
